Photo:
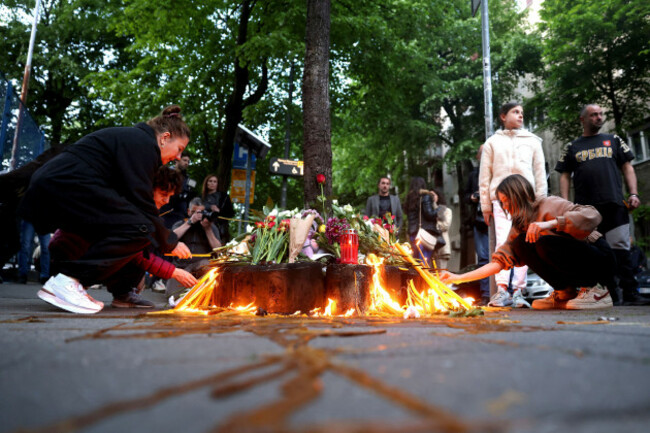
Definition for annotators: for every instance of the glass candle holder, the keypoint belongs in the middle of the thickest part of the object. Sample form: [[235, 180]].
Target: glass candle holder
[[349, 242]]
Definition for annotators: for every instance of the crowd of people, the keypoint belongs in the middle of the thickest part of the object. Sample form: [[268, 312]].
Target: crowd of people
[[117, 210]]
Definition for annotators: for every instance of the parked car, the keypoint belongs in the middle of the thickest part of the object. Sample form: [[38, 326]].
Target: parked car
[[536, 287], [643, 278]]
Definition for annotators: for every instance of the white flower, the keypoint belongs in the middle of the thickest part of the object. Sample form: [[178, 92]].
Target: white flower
[[348, 208], [274, 212], [335, 202]]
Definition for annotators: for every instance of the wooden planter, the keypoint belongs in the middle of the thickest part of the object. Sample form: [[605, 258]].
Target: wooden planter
[[282, 288], [287, 288]]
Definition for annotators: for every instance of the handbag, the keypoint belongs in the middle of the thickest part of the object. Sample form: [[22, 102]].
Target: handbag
[[426, 239]]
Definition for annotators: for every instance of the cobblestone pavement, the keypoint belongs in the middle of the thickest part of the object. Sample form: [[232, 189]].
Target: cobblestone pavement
[[508, 371]]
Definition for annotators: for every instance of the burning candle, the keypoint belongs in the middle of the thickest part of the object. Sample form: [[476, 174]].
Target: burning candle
[[349, 242]]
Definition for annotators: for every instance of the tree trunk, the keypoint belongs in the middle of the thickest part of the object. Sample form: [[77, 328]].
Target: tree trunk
[[317, 148], [467, 213], [234, 106]]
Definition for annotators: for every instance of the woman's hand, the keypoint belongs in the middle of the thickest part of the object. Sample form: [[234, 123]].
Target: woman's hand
[[537, 229], [181, 251], [214, 208], [487, 216], [449, 277], [184, 278]]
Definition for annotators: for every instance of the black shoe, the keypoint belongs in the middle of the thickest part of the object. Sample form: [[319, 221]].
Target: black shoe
[[43, 280], [634, 299], [22, 279], [131, 300]]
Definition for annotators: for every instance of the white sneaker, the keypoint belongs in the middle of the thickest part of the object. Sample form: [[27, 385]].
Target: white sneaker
[[67, 293], [158, 286], [518, 300], [500, 299], [591, 298]]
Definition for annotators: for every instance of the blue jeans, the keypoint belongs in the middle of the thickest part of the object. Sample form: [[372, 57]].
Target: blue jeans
[[420, 253], [483, 257], [25, 255]]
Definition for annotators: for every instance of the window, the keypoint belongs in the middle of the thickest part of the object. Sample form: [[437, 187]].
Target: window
[[639, 142]]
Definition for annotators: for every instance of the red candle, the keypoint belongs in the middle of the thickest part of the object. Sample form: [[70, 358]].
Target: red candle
[[349, 242]]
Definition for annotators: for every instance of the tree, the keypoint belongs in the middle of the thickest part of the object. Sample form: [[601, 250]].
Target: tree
[[415, 83], [317, 150], [72, 41], [595, 51], [213, 57]]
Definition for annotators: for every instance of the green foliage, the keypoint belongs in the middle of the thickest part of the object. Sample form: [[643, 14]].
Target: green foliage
[[595, 51], [412, 67], [72, 41]]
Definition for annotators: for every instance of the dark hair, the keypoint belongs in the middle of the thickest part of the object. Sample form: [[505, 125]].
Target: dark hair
[[413, 196], [522, 200], [441, 196], [583, 112], [505, 108], [168, 179], [204, 191], [170, 120], [185, 153]]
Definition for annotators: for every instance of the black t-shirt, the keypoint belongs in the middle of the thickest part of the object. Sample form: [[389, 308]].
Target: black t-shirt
[[595, 163], [384, 205]]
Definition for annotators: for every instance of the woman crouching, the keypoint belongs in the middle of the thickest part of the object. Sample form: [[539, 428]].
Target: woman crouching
[[558, 240]]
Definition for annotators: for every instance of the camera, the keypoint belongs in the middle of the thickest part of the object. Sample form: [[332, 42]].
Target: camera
[[209, 215]]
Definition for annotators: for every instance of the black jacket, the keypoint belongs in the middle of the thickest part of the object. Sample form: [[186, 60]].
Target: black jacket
[[104, 179], [429, 216]]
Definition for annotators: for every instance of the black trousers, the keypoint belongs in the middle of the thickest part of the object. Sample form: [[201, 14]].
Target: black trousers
[[102, 257], [565, 262], [616, 228]]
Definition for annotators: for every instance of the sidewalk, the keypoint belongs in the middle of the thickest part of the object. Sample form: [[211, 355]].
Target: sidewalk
[[510, 371]]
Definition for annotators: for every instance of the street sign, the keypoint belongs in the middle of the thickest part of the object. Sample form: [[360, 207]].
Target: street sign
[[287, 167], [238, 186], [240, 156]]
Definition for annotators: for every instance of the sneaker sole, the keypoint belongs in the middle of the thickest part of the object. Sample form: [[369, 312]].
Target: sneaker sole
[[590, 306], [64, 305], [50, 287], [119, 304]]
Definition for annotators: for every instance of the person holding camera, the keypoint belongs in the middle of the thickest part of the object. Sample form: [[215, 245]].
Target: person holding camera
[[218, 204], [201, 235]]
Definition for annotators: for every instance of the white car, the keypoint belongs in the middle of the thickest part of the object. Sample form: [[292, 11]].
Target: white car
[[536, 288]]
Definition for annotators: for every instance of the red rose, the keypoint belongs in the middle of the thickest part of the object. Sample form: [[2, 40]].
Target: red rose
[[320, 178]]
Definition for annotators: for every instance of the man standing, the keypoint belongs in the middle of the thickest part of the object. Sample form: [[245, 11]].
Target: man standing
[[176, 209], [383, 203], [596, 161], [201, 236]]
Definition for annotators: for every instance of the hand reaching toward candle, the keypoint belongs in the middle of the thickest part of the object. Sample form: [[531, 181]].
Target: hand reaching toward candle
[[449, 277], [181, 251], [184, 278]]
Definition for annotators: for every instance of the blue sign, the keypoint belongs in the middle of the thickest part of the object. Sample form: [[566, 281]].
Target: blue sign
[[239, 157]]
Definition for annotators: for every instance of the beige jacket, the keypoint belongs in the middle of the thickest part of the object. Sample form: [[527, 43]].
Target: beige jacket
[[577, 220], [444, 222], [511, 152]]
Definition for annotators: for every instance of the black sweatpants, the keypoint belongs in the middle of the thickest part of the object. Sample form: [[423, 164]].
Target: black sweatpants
[[102, 257], [565, 262]]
